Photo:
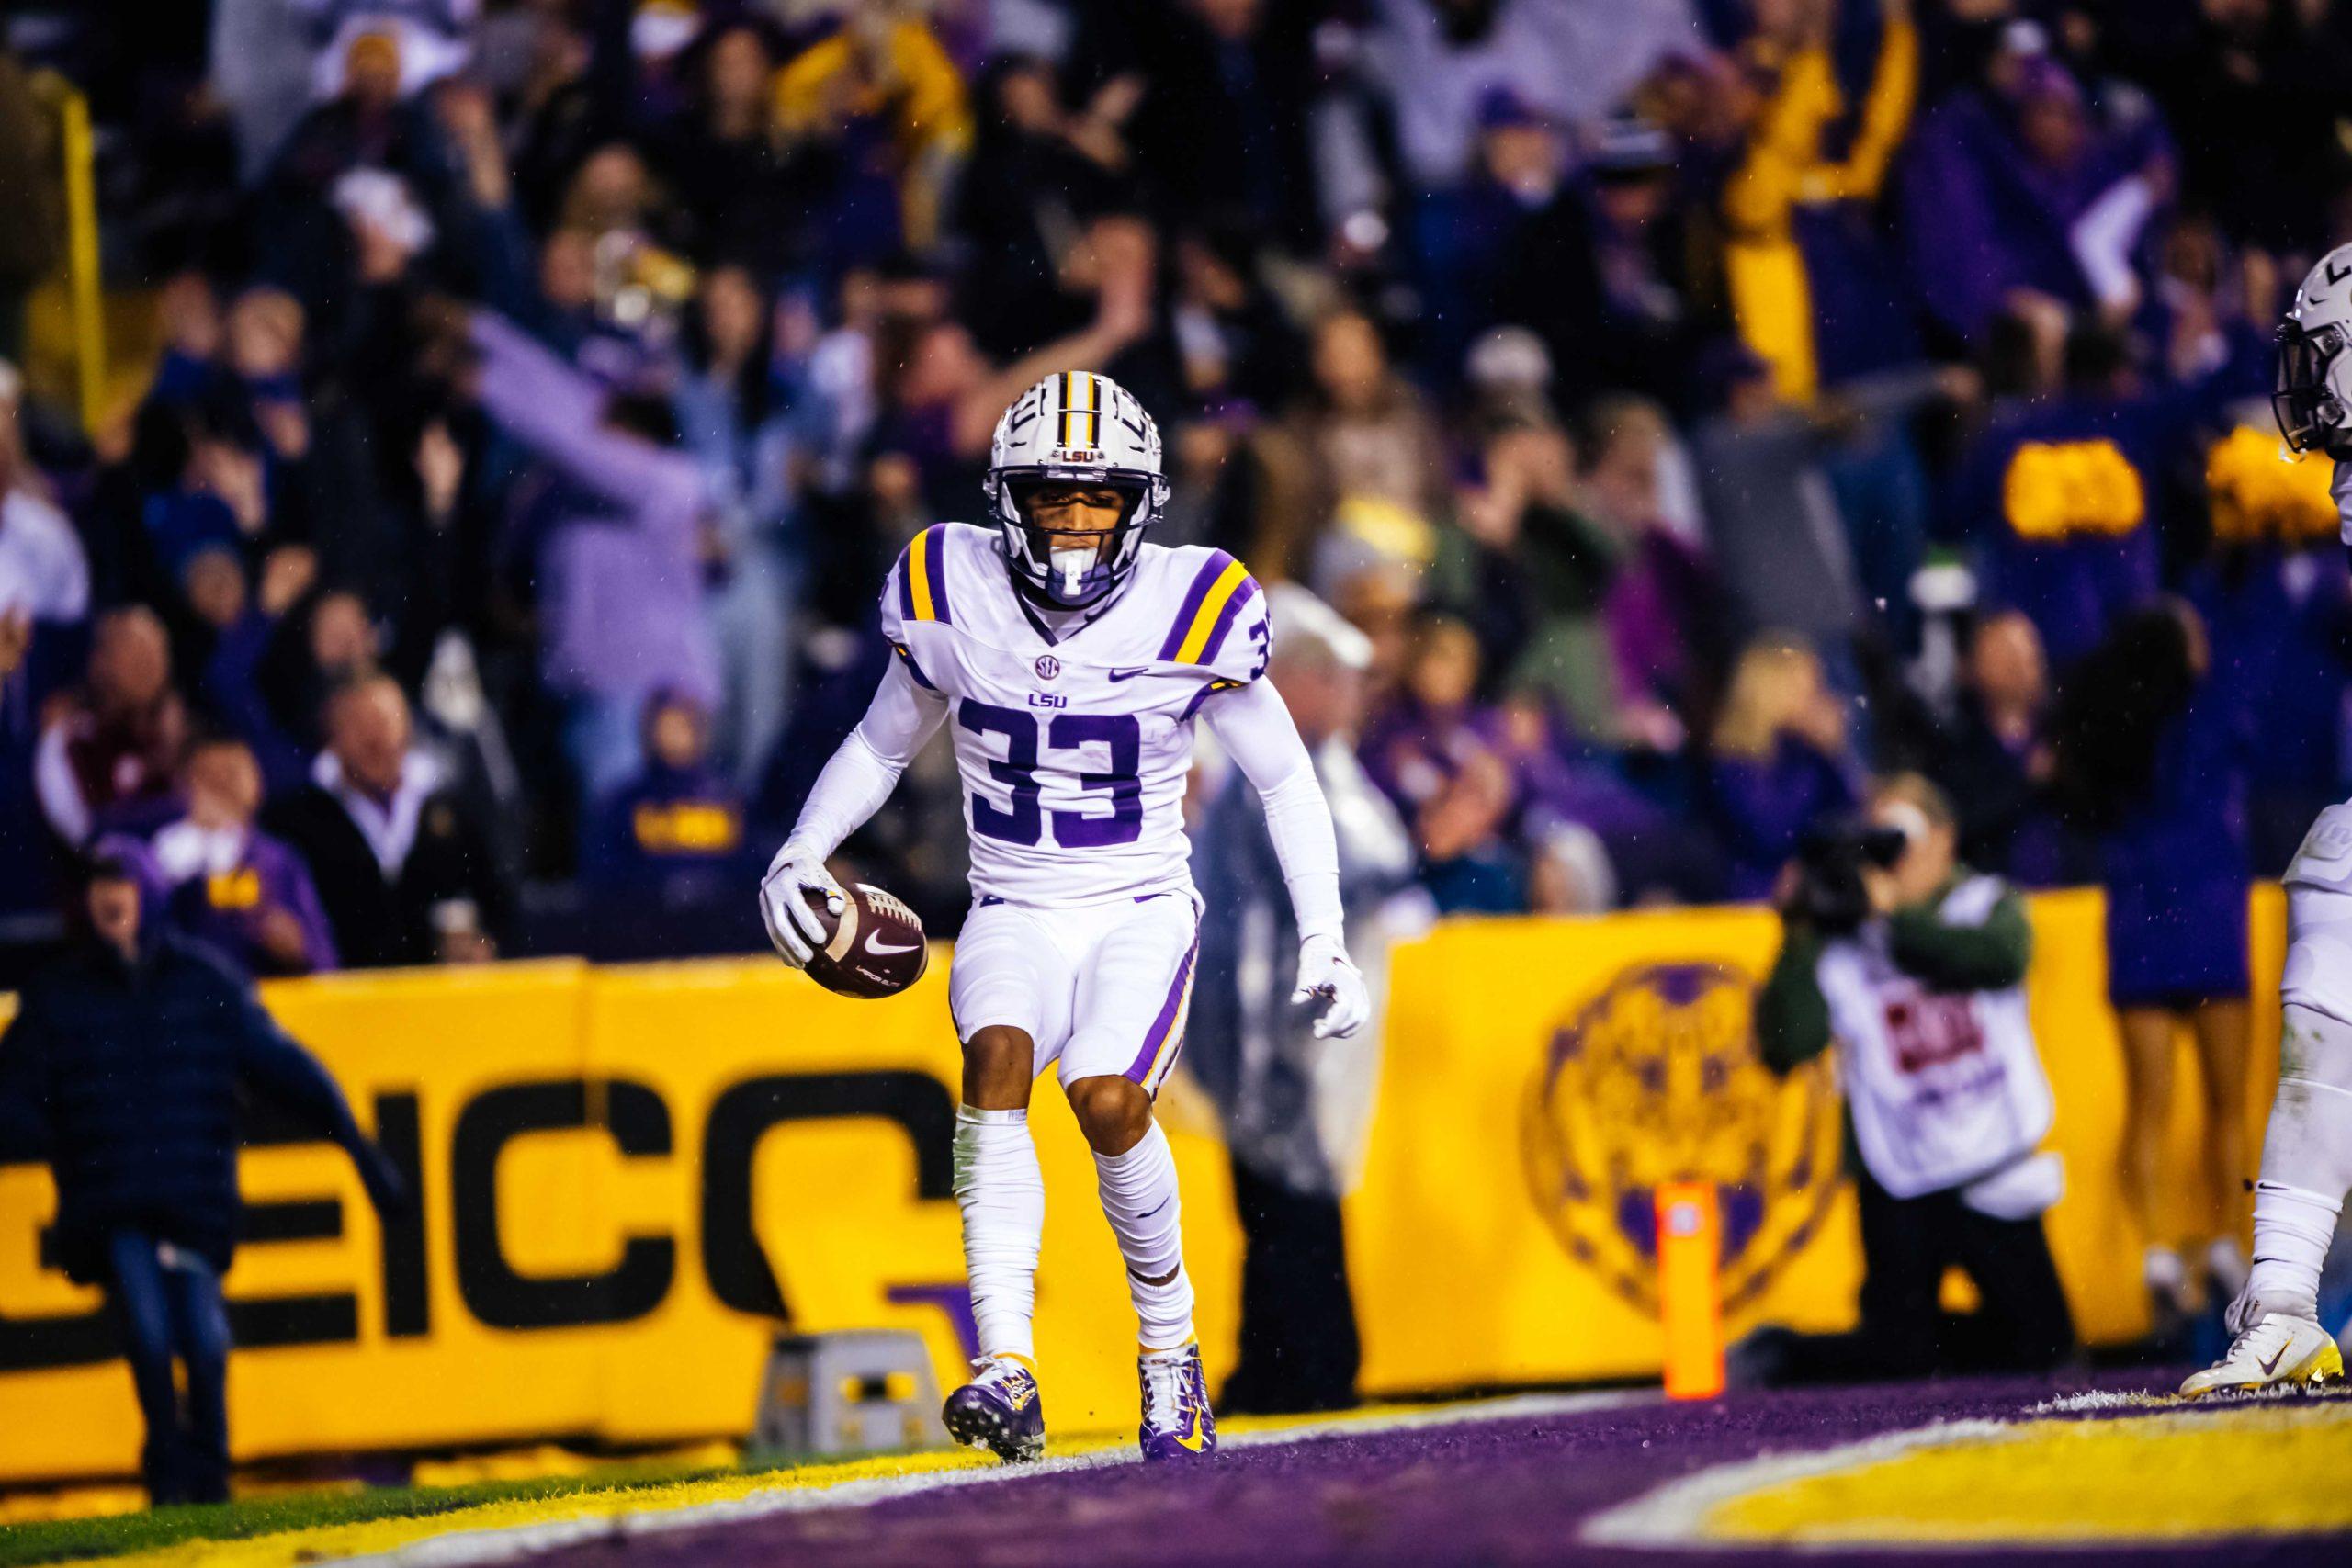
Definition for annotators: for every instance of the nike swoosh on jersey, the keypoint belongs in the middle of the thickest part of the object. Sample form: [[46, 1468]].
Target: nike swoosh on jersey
[[874, 945], [1129, 674]]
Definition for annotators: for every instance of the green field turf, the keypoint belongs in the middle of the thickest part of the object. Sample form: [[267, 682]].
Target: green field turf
[[65, 1541]]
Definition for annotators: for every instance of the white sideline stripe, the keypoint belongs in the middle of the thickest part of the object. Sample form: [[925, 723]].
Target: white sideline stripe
[[465, 1549], [2101, 1400], [1675, 1514]]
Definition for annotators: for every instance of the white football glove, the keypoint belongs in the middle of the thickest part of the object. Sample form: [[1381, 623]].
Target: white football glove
[[793, 926], [1324, 974]]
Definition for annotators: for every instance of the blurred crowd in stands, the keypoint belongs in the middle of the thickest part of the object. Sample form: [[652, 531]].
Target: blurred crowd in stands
[[1701, 405]]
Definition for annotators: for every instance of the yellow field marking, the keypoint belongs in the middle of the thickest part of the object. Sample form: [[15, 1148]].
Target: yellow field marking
[[373, 1537], [2135, 1478], [499, 1532], [549, 1460], [2182, 1475]]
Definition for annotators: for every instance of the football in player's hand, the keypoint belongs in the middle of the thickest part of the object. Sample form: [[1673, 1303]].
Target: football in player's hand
[[874, 948]]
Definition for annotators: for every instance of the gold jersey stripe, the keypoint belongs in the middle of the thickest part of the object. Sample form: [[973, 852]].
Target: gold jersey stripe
[[919, 576], [1228, 584]]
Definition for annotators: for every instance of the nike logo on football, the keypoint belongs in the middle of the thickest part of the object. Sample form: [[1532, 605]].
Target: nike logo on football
[[880, 949]]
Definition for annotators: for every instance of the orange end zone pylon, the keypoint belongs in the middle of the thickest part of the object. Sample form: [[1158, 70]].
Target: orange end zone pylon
[[1689, 1296]]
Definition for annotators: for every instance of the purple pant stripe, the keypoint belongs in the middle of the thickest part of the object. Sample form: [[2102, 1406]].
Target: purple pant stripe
[[1157, 1032], [934, 571], [1158, 1076], [1226, 618], [1211, 569]]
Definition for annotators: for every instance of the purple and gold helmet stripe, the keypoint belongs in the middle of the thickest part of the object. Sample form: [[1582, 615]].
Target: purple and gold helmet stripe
[[1081, 397]]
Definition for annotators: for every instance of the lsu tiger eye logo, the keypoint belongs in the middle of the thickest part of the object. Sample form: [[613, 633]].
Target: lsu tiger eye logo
[[1654, 1080]]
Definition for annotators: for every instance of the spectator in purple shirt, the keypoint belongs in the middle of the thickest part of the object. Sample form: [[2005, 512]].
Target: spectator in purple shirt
[[2016, 185], [619, 561], [677, 830], [242, 625], [2063, 496], [1440, 756], [1780, 760], [233, 886], [1993, 759]]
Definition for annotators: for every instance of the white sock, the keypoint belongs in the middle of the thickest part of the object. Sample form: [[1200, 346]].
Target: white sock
[[2291, 1229], [1139, 1199], [2306, 1162], [1003, 1194]]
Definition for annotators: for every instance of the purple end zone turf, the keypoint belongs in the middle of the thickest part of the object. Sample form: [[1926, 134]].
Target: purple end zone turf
[[1496, 1492]]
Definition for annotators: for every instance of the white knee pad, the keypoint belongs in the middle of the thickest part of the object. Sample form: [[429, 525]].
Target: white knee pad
[[2318, 922], [2319, 953]]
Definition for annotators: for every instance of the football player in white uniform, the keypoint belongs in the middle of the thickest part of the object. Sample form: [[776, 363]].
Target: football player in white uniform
[[2307, 1153], [1072, 660]]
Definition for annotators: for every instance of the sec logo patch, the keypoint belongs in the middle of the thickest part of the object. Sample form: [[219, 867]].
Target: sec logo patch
[[1047, 667]]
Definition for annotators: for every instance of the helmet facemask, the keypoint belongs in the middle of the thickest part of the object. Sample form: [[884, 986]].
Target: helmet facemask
[[2311, 416], [1083, 431], [1055, 575]]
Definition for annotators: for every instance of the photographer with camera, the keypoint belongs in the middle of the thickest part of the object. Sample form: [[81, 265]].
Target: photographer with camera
[[1915, 965]]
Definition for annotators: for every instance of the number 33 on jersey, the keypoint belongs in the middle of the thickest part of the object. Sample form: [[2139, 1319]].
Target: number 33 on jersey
[[1074, 752]]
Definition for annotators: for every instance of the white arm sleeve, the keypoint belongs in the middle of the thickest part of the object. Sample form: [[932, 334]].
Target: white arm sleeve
[[1255, 730], [862, 774], [58, 792]]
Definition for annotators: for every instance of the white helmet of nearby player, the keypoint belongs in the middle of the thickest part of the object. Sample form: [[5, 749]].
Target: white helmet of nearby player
[[1074, 427], [2314, 397]]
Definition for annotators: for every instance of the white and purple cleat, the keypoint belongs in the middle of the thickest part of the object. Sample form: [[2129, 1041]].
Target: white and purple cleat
[[1000, 1410], [1178, 1425]]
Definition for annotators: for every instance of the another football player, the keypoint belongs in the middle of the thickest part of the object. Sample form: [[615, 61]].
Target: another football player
[[1073, 658], [2307, 1153]]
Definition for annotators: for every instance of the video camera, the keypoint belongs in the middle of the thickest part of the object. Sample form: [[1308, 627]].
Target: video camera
[[1831, 857]]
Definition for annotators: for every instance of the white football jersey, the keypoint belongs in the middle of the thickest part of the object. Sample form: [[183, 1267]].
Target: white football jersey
[[1075, 752]]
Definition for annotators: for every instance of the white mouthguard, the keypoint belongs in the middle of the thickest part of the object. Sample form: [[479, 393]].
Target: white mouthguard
[[1071, 567]]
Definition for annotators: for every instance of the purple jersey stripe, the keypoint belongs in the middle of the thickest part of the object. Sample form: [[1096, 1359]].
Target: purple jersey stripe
[[1211, 569], [1226, 616], [1157, 1033], [934, 561], [906, 587], [1208, 689], [914, 667]]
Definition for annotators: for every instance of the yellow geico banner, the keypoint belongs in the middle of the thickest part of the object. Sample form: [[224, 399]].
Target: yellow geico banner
[[629, 1175]]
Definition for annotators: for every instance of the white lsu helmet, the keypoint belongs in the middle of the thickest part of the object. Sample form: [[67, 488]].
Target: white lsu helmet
[[2313, 400], [1074, 427]]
